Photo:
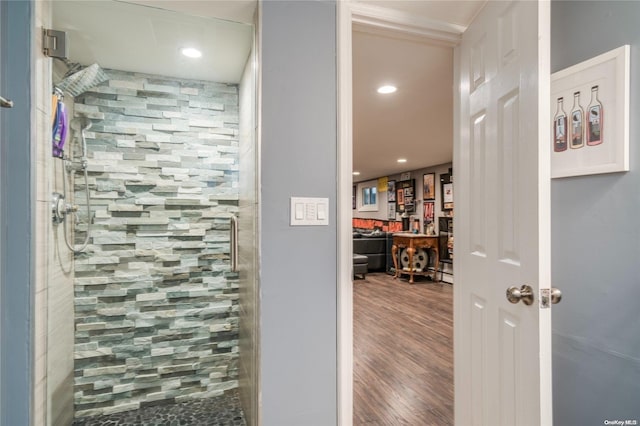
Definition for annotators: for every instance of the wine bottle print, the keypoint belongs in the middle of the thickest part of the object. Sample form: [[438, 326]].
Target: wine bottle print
[[560, 128], [577, 127], [595, 119]]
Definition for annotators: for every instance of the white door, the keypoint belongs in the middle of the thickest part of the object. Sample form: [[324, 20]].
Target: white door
[[501, 166]]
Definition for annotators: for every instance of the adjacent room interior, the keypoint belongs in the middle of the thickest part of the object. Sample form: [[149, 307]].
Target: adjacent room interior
[[403, 234]]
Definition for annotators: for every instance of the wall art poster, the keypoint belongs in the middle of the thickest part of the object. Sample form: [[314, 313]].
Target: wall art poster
[[590, 116], [429, 211], [429, 186], [391, 191]]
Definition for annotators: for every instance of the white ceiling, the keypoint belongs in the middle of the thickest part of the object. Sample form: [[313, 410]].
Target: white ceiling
[[414, 123], [145, 39]]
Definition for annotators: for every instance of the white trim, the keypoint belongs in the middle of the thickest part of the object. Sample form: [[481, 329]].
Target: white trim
[[344, 215], [406, 26]]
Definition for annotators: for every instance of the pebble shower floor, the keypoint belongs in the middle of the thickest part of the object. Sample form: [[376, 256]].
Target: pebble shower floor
[[223, 410]]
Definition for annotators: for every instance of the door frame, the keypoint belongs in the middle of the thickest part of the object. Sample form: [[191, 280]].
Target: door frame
[[379, 21]]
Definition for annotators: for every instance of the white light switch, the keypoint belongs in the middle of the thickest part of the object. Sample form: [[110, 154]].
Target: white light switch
[[307, 211], [322, 213]]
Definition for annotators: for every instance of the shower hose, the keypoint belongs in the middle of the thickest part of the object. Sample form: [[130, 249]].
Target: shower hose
[[86, 190]]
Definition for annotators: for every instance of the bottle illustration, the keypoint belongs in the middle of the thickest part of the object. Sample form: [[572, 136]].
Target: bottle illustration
[[594, 119], [560, 128], [577, 114]]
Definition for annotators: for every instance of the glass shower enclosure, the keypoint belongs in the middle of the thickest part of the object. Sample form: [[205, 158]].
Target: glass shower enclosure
[[147, 321]]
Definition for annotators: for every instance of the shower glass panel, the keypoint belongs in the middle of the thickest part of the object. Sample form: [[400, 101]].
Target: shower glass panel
[[147, 322]]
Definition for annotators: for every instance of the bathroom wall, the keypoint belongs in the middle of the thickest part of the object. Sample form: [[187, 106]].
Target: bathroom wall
[[53, 344], [156, 309]]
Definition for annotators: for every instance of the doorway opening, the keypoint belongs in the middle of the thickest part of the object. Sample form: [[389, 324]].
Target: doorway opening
[[402, 149], [504, 54]]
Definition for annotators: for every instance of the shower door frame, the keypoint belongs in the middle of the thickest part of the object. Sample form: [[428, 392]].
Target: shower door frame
[[34, 316]]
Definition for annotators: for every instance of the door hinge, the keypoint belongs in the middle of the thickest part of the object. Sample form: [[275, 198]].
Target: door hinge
[[54, 43]]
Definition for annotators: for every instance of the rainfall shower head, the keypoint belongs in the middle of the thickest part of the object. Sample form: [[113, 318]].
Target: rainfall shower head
[[78, 82]]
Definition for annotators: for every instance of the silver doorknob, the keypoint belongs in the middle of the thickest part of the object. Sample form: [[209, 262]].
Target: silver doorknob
[[524, 293], [556, 295]]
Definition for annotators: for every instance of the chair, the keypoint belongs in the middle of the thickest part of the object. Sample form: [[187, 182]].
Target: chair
[[360, 265]]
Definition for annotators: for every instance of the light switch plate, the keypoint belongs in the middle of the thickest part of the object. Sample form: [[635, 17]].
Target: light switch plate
[[315, 211]]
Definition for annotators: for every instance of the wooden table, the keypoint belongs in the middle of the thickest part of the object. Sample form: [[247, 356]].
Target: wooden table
[[413, 242]]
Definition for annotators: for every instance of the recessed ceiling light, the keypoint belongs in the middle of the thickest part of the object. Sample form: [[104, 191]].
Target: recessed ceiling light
[[191, 52], [387, 89], [356, 173], [402, 160]]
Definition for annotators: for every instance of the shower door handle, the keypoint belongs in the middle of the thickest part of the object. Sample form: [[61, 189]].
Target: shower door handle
[[233, 243], [6, 103]]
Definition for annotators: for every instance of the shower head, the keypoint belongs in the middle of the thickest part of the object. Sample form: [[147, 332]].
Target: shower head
[[80, 124], [79, 82]]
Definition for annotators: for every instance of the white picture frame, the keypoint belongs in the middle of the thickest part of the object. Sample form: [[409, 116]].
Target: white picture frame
[[603, 146]]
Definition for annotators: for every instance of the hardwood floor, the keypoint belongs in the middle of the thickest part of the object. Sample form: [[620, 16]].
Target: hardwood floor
[[403, 352]]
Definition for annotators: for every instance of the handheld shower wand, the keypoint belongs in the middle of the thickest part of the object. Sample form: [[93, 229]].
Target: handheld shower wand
[[79, 125]]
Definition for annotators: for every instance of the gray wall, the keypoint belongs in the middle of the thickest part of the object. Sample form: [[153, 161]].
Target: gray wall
[[596, 243], [156, 309], [298, 158], [17, 206]]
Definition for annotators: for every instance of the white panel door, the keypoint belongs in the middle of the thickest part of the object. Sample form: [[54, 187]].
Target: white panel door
[[501, 167]]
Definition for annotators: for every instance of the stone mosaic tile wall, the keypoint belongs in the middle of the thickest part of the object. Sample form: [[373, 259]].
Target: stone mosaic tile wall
[[156, 310]]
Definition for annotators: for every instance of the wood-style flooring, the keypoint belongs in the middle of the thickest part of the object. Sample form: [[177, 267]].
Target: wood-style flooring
[[403, 352]]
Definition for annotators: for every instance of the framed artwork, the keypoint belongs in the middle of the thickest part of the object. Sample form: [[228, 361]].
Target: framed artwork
[[447, 196], [429, 217], [353, 198], [409, 202], [429, 211], [408, 197], [429, 186], [590, 116], [391, 191], [383, 184], [446, 187], [404, 196], [391, 210]]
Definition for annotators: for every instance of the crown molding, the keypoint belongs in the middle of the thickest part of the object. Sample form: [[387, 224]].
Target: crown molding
[[376, 19]]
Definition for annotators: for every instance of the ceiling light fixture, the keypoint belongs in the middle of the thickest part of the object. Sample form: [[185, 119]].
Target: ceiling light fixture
[[191, 52], [402, 160], [356, 173], [385, 90]]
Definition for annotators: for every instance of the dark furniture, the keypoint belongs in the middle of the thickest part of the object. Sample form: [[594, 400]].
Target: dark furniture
[[445, 225], [360, 265], [374, 246]]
